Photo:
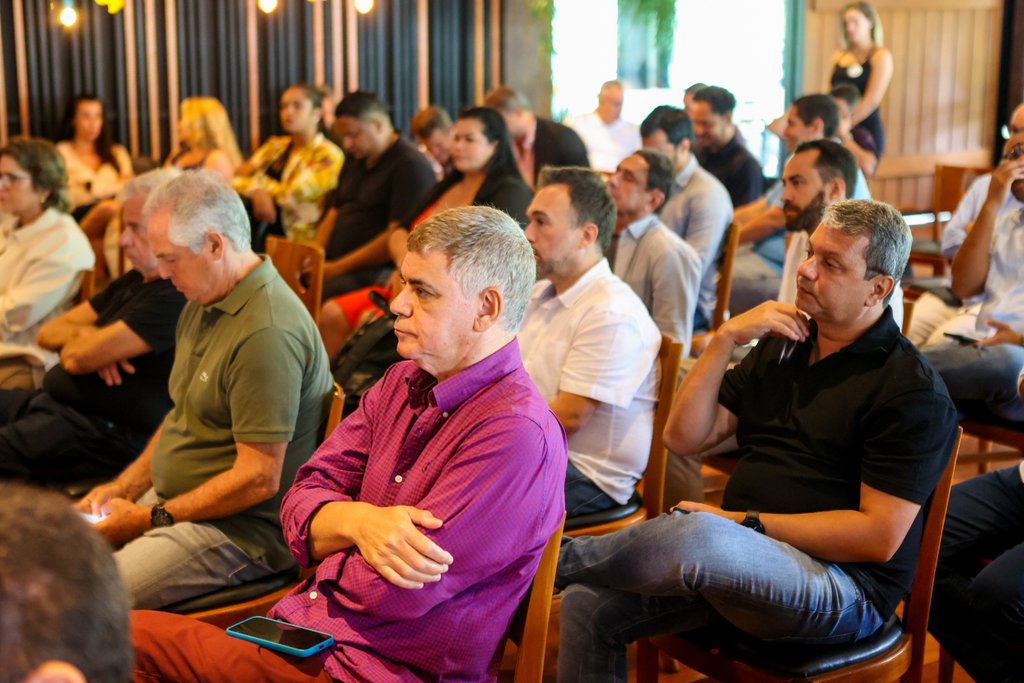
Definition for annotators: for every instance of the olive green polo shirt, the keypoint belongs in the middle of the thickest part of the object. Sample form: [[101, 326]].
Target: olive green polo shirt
[[250, 368]]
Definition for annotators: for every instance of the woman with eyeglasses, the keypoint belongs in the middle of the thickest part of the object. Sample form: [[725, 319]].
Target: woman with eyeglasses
[[42, 256]]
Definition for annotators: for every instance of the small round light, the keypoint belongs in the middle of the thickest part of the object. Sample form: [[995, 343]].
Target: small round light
[[364, 6], [68, 16], [267, 6]]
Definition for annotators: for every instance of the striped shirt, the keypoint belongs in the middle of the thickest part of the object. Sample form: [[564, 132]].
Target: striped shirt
[[482, 452]]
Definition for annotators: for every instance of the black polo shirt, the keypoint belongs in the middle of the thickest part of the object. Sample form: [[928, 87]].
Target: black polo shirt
[[367, 199], [150, 310], [738, 170], [875, 412]]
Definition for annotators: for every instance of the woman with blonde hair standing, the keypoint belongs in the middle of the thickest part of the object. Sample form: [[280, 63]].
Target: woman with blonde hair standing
[[864, 63], [205, 138]]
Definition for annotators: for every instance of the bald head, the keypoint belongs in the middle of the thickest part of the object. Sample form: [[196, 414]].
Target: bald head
[[609, 102]]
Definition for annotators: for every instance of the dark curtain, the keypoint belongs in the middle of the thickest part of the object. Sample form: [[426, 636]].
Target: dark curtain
[[451, 54], [212, 60]]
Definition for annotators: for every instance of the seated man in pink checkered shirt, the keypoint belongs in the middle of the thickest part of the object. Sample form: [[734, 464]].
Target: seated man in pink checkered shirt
[[429, 507]]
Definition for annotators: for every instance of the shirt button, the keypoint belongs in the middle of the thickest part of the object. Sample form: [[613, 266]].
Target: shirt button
[[444, 414], [398, 478], [312, 595]]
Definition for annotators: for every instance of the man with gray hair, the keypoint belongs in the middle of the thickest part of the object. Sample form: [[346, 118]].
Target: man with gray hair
[[843, 429], [198, 509], [429, 507], [99, 405], [609, 138]]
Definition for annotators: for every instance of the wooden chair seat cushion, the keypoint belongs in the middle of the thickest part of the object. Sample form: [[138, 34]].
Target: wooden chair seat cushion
[[796, 660], [613, 514], [231, 595]]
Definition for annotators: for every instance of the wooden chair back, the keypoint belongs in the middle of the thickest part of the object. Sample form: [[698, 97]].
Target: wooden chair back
[[301, 265], [529, 629], [333, 411], [724, 285], [87, 289], [651, 486], [949, 186], [904, 661]]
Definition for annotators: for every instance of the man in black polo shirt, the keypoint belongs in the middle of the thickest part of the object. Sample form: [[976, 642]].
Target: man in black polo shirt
[[381, 181], [101, 403], [843, 430], [719, 150]]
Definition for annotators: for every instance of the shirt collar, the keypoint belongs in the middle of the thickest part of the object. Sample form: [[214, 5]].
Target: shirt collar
[[529, 138], [879, 338], [569, 297], [460, 387], [46, 220], [637, 228], [684, 175], [246, 288]]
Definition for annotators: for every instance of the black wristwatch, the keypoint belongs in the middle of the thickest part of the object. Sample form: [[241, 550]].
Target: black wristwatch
[[753, 521], [159, 517]]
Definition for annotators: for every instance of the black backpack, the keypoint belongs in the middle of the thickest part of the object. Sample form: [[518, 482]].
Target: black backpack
[[367, 354]]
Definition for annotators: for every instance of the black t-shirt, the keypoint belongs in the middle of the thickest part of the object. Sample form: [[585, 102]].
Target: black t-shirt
[[875, 412], [150, 309], [737, 169], [367, 199]]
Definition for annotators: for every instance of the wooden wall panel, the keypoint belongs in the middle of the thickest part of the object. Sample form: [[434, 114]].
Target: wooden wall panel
[[144, 59], [941, 105]]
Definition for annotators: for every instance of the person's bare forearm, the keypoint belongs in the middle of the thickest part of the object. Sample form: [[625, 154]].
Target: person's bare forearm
[[971, 262], [763, 226], [137, 477], [254, 478], [695, 407]]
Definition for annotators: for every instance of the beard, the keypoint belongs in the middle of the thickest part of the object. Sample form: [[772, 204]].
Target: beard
[[808, 218]]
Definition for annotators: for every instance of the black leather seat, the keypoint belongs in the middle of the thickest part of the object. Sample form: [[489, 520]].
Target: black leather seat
[[612, 514], [797, 660]]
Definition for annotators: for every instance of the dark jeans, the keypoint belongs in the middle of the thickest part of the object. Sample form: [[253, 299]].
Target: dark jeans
[[582, 496], [978, 604], [43, 439]]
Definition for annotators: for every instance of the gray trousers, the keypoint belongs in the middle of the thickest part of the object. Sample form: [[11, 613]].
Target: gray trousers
[[169, 564]]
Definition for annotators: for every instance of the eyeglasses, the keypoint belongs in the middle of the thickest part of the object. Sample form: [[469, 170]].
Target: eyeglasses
[[8, 179]]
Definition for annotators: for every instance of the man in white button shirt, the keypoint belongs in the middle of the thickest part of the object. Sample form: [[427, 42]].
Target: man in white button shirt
[[588, 343], [609, 137], [988, 264]]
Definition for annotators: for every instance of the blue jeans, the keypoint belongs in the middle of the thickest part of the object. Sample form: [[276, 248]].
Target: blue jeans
[[978, 609], [678, 573], [583, 496], [981, 373]]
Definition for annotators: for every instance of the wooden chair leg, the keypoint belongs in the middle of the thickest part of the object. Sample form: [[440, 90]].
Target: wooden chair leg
[[946, 666], [646, 662], [984, 446]]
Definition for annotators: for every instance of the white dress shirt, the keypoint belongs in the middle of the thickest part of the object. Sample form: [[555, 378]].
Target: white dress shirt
[[596, 340], [607, 144]]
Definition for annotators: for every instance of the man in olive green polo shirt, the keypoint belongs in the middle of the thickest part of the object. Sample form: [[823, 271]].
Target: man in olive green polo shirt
[[199, 508]]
